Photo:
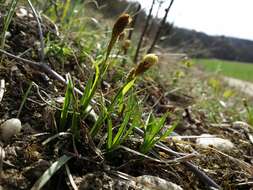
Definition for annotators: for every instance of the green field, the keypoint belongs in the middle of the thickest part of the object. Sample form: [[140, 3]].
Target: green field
[[240, 70]]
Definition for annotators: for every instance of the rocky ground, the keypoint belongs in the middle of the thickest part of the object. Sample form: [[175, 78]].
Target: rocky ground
[[212, 146]]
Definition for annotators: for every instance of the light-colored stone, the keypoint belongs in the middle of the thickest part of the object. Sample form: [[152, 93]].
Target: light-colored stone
[[241, 125], [148, 182], [22, 12], [206, 140], [10, 128], [2, 154]]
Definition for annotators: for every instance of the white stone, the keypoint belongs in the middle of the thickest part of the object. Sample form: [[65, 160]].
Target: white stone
[[10, 128], [22, 12], [206, 140], [241, 124], [148, 182]]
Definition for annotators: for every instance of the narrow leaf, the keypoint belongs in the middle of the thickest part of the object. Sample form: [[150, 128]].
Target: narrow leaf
[[50, 172]]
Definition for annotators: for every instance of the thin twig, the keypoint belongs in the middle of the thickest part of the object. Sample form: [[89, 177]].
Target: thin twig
[[158, 160], [247, 183], [71, 180], [38, 19], [41, 67]]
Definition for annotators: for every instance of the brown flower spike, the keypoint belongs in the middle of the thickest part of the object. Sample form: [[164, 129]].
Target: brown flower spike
[[120, 25], [147, 61], [118, 28]]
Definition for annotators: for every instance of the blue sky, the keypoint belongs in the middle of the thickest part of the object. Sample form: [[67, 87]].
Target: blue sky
[[215, 17]]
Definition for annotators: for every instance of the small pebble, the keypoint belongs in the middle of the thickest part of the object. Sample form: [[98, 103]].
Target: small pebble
[[2, 154], [10, 128]]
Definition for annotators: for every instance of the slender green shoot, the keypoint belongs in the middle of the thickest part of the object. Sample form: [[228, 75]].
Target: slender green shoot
[[75, 125], [48, 174], [66, 7], [24, 99], [90, 89], [118, 98], [7, 21], [131, 113], [66, 104]]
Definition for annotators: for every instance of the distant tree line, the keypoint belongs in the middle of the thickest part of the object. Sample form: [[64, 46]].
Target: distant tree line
[[195, 44]]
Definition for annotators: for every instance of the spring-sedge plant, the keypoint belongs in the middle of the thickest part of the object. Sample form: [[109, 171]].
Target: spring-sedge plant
[[102, 66], [79, 107], [147, 61]]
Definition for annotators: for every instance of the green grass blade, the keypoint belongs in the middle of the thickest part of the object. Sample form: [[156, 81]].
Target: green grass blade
[[109, 133], [122, 128], [65, 9], [98, 124], [127, 87], [24, 99], [151, 133], [86, 92], [159, 126], [90, 90], [7, 20], [168, 132], [130, 111], [117, 98], [136, 122], [50, 172], [75, 125], [66, 104]]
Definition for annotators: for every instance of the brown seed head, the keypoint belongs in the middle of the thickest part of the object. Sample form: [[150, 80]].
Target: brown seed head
[[120, 25], [118, 29]]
